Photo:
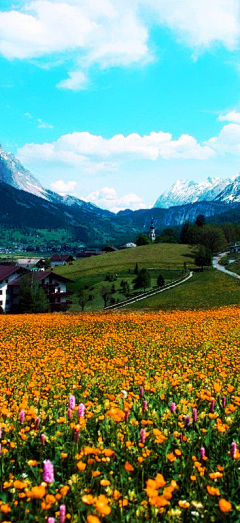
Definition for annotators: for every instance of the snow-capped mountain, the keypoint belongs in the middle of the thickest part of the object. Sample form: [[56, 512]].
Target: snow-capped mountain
[[187, 191], [231, 193], [13, 173]]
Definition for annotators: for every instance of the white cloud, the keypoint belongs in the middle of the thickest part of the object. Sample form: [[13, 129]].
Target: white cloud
[[112, 32], [107, 198], [63, 188], [228, 140], [87, 150], [200, 23], [76, 81], [44, 125], [232, 116]]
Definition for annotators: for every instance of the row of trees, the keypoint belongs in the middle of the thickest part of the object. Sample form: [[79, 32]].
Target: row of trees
[[214, 237]]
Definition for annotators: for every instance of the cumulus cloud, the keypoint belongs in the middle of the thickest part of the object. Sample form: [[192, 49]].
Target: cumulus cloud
[[44, 125], [63, 188], [228, 140], [232, 116], [112, 32], [108, 198], [86, 150], [75, 82]]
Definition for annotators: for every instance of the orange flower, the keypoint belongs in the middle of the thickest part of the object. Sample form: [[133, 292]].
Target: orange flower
[[37, 492], [183, 503], [213, 491], [160, 481], [102, 505], [93, 519], [5, 508], [88, 499], [19, 484], [224, 505], [64, 490], [128, 467], [171, 457], [81, 465], [105, 482]]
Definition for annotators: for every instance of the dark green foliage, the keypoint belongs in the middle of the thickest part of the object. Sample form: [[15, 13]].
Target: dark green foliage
[[83, 297], [168, 235], [124, 288], [143, 279], [200, 220], [136, 271], [142, 239], [203, 256], [106, 294], [160, 280], [32, 298]]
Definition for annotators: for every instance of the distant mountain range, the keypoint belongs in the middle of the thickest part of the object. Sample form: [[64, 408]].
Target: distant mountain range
[[183, 192], [25, 203]]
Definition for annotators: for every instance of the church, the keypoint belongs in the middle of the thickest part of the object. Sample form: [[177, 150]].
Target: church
[[152, 233]]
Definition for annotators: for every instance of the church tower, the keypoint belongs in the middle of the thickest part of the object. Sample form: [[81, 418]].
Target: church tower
[[152, 233]]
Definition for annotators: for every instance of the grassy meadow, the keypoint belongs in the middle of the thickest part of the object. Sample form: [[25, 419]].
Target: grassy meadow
[[120, 417]]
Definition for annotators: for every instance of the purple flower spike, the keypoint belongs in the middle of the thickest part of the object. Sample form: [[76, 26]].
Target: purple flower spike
[[202, 452], [72, 402], [173, 407], [48, 471], [77, 434], [144, 407], [186, 421], [22, 415], [0, 431], [37, 423], [224, 401], [51, 520], [43, 439], [0, 449], [141, 390], [69, 413], [81, 410], [62, 510], [127, 414], [181, 437], [233, 449], [194, 415], [212, 406], [142, 435]]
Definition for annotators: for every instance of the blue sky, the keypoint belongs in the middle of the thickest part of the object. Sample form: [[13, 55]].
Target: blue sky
[[113, 101]]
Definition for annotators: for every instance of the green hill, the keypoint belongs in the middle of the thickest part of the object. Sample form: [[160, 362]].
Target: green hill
[[90, 275]]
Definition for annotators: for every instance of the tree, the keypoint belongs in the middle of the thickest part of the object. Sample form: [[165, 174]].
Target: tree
[[136, 271], [203, 256], [106, 294], [142, 239], [47, 264], [143, 279], [124, 288], [168, 235], [160, 280], [200, 220], [32, 298], [83, 297]]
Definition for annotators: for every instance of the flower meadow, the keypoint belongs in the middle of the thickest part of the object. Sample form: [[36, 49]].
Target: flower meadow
[[120, 417]]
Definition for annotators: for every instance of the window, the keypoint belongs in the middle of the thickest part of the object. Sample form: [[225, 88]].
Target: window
[[0, 291], [0, 302]]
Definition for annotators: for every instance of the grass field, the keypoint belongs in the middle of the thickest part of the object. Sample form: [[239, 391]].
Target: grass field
[[91, 273], [161, 255], [207, 289]]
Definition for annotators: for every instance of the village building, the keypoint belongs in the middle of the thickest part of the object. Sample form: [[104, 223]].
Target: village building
[[61, 259], [234, 248], [53, 285], [33, 264], [152, 233], [8, 273]]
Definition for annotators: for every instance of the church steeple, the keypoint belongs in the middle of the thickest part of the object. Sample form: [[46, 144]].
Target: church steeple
[[152, 233]]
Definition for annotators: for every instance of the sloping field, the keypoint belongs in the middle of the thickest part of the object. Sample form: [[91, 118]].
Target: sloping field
[[120, 417], [161, 255], [204, 290]]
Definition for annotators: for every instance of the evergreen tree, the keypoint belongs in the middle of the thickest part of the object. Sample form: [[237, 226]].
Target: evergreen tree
[[32, 298], [203, 256], [143, 279], [160, 280], [83, 297], [142, 239], [136, 271]]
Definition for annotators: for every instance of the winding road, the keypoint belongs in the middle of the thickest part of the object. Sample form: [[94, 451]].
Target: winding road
[[216, 265]]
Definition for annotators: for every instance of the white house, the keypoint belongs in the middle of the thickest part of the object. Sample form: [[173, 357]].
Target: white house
[[8, 273]]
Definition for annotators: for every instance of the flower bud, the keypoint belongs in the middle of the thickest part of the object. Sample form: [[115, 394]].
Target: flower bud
[[72, 402], [48, 471]]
